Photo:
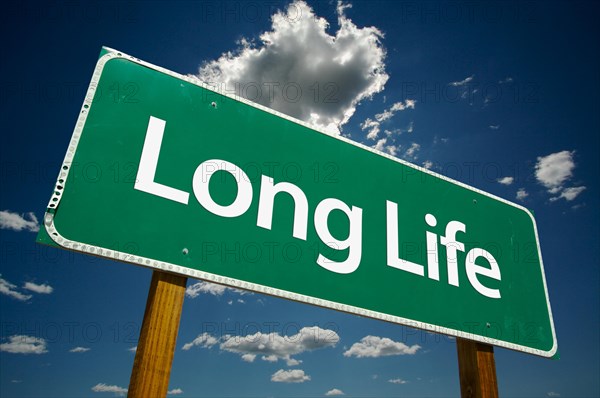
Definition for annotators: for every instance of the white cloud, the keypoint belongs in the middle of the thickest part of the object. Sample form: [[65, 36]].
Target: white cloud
[[428, 164], [391, 111], [299, 69], [204, 340], [79, 349], [507, 79], [101, 387], [494, 126], [554, 170], [16, 222], [569, 193], [411, 152], [196, 289], [374, 347], [334, 393], [9, 290], [397, 381], [272, 346], [175, 391], [506, 180], [132, 349], [553, 394], [21, 344], [372, 126], [462, 82], [522, 194], [248, 357], [292, 362], [199, 288], [41, 289], [290, 376], [380, 146], [392, 149]]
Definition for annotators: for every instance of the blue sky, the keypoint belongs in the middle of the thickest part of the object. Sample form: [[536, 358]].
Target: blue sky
[[500, 95]]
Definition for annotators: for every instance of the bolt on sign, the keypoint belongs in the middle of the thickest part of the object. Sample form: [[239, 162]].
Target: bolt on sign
[[164, 172]]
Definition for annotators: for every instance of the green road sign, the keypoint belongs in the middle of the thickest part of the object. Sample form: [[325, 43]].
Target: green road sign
[[164, 172]]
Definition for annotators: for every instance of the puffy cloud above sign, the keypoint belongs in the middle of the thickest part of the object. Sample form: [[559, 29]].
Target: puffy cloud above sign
[[303, 71]]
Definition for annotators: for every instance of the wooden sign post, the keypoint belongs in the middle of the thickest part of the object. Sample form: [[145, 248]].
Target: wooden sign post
[[156, 346], [477, 369]]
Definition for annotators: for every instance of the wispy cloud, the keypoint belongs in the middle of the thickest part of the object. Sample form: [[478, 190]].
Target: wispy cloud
[[397, 381], [204, 340], [132, 349], [21, 344], [290, 376], [345, 67], [101, 387], [569, 194], [397, 107], [40, 289], [374, 347], [79, 349], [428, 164], [494, 126], [506, 180], [522, 194], [411, 152], [507, 79], [334, 393], [175, 391], [462, 82], [373, 127], [213, 289], [10, 290], [17, 222]]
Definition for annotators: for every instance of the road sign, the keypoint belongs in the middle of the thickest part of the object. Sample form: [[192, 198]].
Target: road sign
[[164, 172]]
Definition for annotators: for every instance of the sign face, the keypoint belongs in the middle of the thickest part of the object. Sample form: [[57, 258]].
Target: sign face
[[166, 173]]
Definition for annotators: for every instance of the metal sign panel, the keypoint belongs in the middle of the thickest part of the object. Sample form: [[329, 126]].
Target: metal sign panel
[[164, 172]]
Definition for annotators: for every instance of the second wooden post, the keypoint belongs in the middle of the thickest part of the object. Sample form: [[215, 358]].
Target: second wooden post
[[477, 369]]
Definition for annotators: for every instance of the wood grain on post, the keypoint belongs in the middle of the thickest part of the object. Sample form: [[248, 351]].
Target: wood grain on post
[[477, 369], [156, 346]]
